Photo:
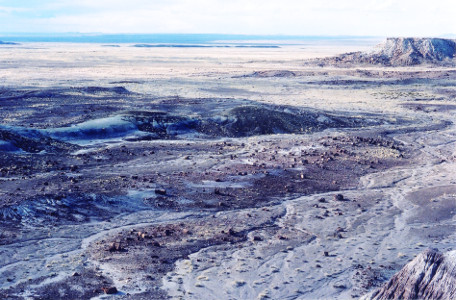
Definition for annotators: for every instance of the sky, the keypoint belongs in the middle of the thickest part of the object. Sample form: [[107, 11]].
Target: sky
[[268, 17]]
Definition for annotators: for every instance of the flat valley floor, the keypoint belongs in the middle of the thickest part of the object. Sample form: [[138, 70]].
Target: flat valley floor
[[218, 173]]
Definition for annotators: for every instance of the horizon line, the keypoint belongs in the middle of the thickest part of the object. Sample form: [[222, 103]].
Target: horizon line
[[185, 33]]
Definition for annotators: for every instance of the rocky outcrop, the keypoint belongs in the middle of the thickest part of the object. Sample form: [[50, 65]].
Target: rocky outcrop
[[431, 275], [401, 52]]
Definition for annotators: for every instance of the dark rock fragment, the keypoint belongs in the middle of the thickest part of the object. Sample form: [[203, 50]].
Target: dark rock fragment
[[110, 290], [339, 197], [160, 191], [115, 247]]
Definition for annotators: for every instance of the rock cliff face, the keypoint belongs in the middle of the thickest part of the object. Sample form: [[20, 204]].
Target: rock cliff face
[[402, 52], [412, 51], [431, 275]]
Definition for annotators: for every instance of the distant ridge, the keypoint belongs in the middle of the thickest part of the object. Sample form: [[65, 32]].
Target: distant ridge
[[402, 52]]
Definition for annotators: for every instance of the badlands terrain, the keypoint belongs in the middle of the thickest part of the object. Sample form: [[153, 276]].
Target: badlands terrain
[[288, 172]]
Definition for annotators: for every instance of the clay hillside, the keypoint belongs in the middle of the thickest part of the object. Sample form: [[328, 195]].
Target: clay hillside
[[431, 275], [401, 52]]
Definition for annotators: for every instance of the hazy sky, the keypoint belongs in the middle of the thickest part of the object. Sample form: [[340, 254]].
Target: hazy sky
[[293, 17]]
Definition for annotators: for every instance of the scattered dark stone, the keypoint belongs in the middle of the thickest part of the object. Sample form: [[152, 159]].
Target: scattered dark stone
[[339, 197], [115, 247], [340, 286], [110, 290], [160, 192], [340, 229], [144, 235]]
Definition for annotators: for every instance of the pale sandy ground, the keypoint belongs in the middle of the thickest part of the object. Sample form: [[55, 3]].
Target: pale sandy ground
[[404, 209], [398, 222]]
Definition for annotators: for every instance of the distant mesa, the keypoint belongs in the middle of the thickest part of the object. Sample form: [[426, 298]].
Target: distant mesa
[[258, 46], [430, 275], [201, 46], [8, 43], [170, 46], [269, 73], [401, 52]]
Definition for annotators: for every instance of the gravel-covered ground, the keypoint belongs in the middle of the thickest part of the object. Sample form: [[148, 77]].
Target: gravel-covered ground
[[217, 173]]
